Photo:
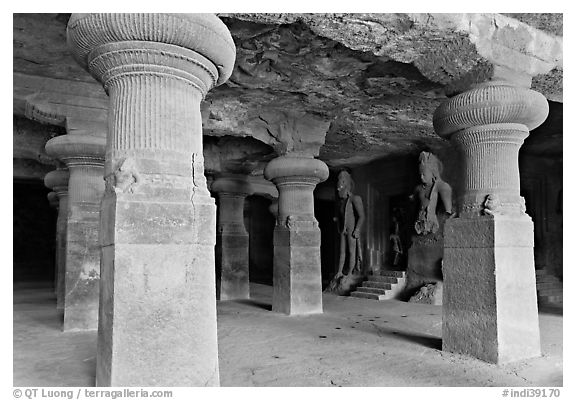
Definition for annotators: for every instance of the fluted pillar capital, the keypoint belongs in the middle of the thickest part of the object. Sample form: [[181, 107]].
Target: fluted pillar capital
[[488, 124], [296, 178], [195, 48], [288, 169], [490, 103]]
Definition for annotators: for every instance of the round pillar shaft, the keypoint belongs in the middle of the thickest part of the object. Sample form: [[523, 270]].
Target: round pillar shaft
[[157, 322], [489, 299], [58, 181], [297, 270], [232, 241]]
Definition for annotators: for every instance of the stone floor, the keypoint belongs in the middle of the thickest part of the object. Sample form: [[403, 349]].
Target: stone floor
[[356, 342]]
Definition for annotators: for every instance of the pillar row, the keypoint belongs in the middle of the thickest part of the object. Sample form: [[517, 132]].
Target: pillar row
[[157, 322], [489, 305], [84, 157], [297, 273], [232, 241], [57, 180]]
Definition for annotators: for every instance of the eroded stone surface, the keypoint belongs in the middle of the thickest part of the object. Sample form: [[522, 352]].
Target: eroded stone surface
[[430, 293]]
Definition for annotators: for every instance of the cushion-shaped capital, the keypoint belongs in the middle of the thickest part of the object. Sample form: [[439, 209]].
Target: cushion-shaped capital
[[52, 199], [232, 184], [57, 179], [490, 104], [205, 34], [284, 166], [69, 148]]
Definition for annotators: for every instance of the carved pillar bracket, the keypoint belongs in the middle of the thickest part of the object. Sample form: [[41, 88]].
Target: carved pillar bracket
[[157, 322], [297, 271], [489, 304], [57, 180], [84, 157], [232, 242]]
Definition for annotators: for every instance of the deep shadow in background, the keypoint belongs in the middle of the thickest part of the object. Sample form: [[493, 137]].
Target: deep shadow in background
[[34, 232]]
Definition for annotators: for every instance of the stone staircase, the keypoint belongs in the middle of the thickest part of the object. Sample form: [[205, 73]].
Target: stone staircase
[[548, 288], [385, 286]]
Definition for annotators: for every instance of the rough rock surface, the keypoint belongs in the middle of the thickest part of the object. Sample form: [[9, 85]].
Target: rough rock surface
[[369, 82], [430, 293], [344, 285]]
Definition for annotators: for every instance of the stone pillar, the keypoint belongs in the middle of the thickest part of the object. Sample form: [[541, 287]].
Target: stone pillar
[[52, 198], [84, 157], [297, 271], [157, 322], [232, 241], [57, 180], [489, 303]]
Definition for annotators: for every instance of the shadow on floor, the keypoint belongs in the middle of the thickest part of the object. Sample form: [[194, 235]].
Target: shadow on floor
[[259, 304], [432, 342]]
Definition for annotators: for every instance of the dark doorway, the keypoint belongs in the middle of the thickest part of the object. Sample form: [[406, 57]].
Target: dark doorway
[[259, 223], [34, 234]]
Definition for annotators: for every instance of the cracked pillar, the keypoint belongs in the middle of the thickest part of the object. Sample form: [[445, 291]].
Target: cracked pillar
[[157, 300], [489, 304], [57, 180], [84, 156], [232, 241], [297, 271]]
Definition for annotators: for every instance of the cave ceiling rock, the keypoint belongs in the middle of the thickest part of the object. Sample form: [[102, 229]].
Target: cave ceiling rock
[[235, 155], [444, 47]]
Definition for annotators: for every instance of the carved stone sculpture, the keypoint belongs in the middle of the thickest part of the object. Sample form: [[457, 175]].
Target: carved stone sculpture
[[425, 253], [428, 191], [350, 219], [396, 241]]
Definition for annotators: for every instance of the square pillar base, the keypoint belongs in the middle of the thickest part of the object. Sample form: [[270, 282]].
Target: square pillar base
[[158, 303], [489, 304], [82, 276], [297, 271]]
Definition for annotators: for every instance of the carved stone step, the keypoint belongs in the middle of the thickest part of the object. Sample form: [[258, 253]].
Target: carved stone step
[[548, 279], [548, 285], [370, 296], [383, 279], [550, 292], [376, 284], [550, 299], [397, 274], [371, 290]]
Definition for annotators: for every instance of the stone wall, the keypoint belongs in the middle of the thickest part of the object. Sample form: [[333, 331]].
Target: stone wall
[[34, 232]]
